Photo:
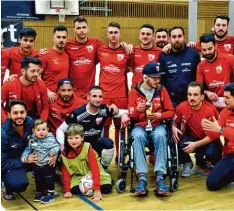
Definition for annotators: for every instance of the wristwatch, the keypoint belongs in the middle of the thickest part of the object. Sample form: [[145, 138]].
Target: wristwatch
[[221, 130]]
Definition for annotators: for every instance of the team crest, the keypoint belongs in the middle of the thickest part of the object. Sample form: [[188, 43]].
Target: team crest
[[89, 48], [219, 69], [151, 57], [227, 47], [120, 57], [98, 120]]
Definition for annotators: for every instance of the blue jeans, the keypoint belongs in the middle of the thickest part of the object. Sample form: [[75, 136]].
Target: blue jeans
[[212, 151], [222, 174], [141, 139]]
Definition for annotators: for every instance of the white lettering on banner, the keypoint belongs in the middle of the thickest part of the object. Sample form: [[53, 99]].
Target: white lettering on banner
[[12, 31], [172, 71], [186, 70], [82, 60], [111, 68], [186, 64], [173, 65], [216, 84]]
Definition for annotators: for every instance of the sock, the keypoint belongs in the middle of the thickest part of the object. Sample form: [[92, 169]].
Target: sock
[[106, 157], [142, 176], [159, 176], [51, 192]]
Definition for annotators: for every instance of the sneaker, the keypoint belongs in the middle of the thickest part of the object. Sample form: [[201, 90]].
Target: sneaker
[[161, 187], [38, 196], [205, 165], [47, 199], [187, 168], [141, 188], [7, 197]]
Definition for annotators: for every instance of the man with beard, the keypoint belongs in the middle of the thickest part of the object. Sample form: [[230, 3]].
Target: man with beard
[[144, 53], [14, 132], [161, 37], [55, 64], [29, 88], [92, 117], [187, 131], [11, 57], [82, 51], [64, 104], [149, 104], [215, 71], [180, 66], [224, 43], [223, 172]]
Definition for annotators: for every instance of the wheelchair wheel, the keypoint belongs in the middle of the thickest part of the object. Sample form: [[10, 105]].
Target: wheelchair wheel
[[174, 185], [120, 185]]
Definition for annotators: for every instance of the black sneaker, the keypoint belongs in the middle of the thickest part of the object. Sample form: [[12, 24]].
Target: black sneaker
[[205, 165], [38, 196]]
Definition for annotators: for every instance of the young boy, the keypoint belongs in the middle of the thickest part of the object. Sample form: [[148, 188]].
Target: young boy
[[44, 145], [79, 159]]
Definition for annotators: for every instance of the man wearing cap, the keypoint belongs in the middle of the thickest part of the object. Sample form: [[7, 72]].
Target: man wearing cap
[[66, 101], [11, 57], [28, 88], [55, 64], [223, 172], [149, 103], [187, 130]]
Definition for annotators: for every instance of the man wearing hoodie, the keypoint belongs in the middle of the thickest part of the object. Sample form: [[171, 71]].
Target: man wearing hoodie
[[65, 103]]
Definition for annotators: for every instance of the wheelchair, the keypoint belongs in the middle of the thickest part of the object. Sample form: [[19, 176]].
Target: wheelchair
[[126, 160]]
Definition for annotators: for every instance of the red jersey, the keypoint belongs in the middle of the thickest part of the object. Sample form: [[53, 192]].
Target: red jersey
[[141, 58], [216, 74], [92, 162], [12, 59], [226, 120], [59, 111], [136, 96], [226, 46], [113, 71], [185, 117], [12, 90], [55, 66], [4, 63], [82, 63]]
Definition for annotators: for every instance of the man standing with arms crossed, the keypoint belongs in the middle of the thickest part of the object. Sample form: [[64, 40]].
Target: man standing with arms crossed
[[113, 68]]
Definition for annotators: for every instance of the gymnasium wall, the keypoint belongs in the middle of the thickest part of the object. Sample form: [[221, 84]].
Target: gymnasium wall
[[131, 15]]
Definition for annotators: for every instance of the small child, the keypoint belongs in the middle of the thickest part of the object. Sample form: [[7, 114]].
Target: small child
[[79, 159], [44, 145]]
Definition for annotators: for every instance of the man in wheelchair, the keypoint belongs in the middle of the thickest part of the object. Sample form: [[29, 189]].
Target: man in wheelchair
[[149, 104]]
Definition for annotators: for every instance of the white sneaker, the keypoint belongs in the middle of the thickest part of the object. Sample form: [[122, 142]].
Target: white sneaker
[[187, 168]]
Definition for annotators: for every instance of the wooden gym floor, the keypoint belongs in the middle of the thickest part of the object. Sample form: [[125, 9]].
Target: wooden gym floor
[[191, 195]]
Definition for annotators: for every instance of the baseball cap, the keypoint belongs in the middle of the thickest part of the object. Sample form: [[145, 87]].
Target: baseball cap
[[229, 88], [64, 81], [152, 69]]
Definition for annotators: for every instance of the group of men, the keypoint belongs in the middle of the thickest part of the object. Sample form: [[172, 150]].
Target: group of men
[[58, 85]]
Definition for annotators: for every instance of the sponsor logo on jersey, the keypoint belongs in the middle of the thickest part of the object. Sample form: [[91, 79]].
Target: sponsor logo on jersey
[[111, 68], [219, 69], [82, 60], [120, 57], [215, 83], [151, 57], [98, 120], [227, 47], [139, 68], [207, 70], [89, 48]]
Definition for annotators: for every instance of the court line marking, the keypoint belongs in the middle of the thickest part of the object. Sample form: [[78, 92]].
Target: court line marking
[[27, 202], [83, 198]]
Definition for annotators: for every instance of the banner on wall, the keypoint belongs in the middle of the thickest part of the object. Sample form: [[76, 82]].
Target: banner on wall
[[19, 10], [10, 32]]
